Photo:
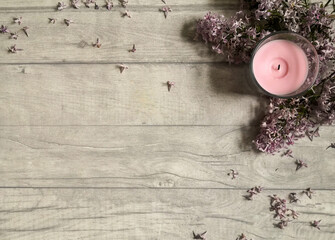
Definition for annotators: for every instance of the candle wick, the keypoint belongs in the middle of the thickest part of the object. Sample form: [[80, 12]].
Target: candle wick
[[278, 66]]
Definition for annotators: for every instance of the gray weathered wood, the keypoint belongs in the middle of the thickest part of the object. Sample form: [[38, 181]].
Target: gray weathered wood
[[133, 4], [89, 153], [157, 39], [97, 94], [155, 214], [160, 157]]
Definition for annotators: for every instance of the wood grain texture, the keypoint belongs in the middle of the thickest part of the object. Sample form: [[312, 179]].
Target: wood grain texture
[[157, 39], [97, 94], [89, 153], [136, 4], [156, 157], [155, 214]]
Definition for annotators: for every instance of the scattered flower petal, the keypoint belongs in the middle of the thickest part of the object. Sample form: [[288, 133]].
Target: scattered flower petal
[[332, 145], [316, 224], [18, 20], [123, 67], [109, 5], [133, 49], [126, 14], [97, 43], [75, 4], [233, 173], [68, 22], [201, 236], [294, 214], [13, 49], [300, 164], [242, 237], [282, 224], [253, 191], [308, 192], [284, 214], [288, 153], [61, 6], [25, 30], [52, 20], [14, 36], [123, 3], [313, 133], [165, 10], [293, 197], [87, 3], [170, 85], [4, 29]]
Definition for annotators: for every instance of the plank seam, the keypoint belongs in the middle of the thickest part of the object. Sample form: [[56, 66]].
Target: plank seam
[[159, 188], [124, 62]]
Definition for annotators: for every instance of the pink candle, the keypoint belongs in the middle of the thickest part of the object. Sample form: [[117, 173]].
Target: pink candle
[[280, 67]]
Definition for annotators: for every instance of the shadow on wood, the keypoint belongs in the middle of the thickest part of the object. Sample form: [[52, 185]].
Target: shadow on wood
[[228, 78]]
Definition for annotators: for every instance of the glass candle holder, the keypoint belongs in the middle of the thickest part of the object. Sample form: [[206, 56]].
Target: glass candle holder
[[284, 65]]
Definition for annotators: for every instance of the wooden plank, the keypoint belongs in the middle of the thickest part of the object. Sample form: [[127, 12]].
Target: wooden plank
[[155, 214], [89, 94], [156, 157], [157, 39], [51, 4], [32, 5]]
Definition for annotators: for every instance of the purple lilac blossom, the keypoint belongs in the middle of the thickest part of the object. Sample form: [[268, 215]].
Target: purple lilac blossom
[[286, 120]]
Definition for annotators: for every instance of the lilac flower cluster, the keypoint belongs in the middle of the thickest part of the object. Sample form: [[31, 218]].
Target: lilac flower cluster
[[234, 37], [284, 214], [286, 120], [324, 113]]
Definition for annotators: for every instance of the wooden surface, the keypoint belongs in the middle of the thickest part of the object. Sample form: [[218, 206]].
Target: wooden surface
[[89, 153]]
